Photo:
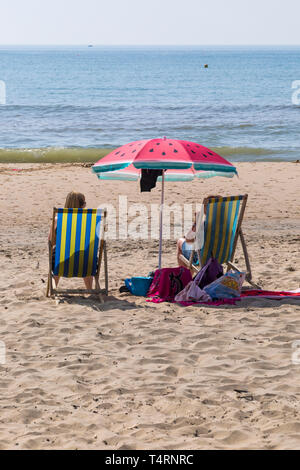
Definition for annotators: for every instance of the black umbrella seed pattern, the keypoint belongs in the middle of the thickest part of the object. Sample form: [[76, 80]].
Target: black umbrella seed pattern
[[164, 153]]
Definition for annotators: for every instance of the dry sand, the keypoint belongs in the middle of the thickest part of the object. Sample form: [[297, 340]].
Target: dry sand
[[132, 374]]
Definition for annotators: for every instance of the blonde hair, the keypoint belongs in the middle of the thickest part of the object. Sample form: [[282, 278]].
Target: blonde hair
[[206, 200], [75, 200]]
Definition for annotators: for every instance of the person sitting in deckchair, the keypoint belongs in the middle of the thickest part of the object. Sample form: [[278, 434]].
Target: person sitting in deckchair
[[73, 201], [216, 234], [185, 244]]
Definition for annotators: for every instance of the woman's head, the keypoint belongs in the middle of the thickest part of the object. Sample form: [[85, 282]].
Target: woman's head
[[206, 200], [75, 201], [211, 196]]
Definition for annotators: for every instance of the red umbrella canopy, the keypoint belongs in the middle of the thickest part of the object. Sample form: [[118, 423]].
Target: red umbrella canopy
[[164, 154]]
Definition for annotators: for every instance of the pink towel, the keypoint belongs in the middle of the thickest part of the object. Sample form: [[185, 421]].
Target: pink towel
[[269, 294], [250, 294], [167, 283]]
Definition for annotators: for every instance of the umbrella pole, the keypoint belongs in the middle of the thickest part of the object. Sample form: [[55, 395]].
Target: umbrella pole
[[161, 218]]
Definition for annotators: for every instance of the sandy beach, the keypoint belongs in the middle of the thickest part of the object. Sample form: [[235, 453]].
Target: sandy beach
[[131, 374]]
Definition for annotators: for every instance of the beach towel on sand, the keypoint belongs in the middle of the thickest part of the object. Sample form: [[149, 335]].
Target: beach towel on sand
[[167, 283], [248, 294], [269, 294]]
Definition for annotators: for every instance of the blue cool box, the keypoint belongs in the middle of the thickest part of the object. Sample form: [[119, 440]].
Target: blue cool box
[[139, 285]]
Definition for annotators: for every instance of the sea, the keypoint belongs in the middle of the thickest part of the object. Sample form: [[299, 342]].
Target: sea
[[75, 103]]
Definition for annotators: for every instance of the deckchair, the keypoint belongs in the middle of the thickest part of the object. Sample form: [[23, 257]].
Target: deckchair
[[80, 245], [222, 228]]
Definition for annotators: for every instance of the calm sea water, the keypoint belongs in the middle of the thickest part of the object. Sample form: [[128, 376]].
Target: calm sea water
[[91, 97]]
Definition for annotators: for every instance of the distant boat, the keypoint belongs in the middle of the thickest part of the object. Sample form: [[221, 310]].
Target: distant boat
[[90, 45]]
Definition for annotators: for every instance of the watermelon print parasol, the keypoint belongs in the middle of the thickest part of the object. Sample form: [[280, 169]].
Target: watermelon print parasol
[[179, 160]]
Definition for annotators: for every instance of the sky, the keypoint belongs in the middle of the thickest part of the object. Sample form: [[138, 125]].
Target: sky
[[150, 22]]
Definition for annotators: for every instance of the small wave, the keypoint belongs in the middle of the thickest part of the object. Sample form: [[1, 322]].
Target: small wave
[[53, 155], [243, 151], [70, 129], [62, 108], [90, 155], [111, 107]]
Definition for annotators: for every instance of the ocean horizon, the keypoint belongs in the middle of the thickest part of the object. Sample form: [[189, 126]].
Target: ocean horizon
[[75, 103]]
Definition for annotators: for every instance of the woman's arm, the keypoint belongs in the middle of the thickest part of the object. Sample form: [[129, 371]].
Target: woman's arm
[[54, 234], [191, 234]]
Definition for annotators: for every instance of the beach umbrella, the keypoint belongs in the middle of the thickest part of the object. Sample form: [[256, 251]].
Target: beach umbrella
[[179, 160]]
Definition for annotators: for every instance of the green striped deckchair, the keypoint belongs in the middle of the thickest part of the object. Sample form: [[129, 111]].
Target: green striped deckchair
[[78, 248], [222, 228]]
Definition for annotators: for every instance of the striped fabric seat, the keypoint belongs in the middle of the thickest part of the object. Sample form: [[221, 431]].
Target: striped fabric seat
[[220, 228], [77, 242]]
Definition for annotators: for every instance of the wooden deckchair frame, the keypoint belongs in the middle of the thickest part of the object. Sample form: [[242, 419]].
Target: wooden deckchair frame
[[102, 252], [238, 235]]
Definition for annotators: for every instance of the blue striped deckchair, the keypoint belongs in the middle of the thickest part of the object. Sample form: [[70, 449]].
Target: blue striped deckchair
[[222, 228], [79, 246]]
